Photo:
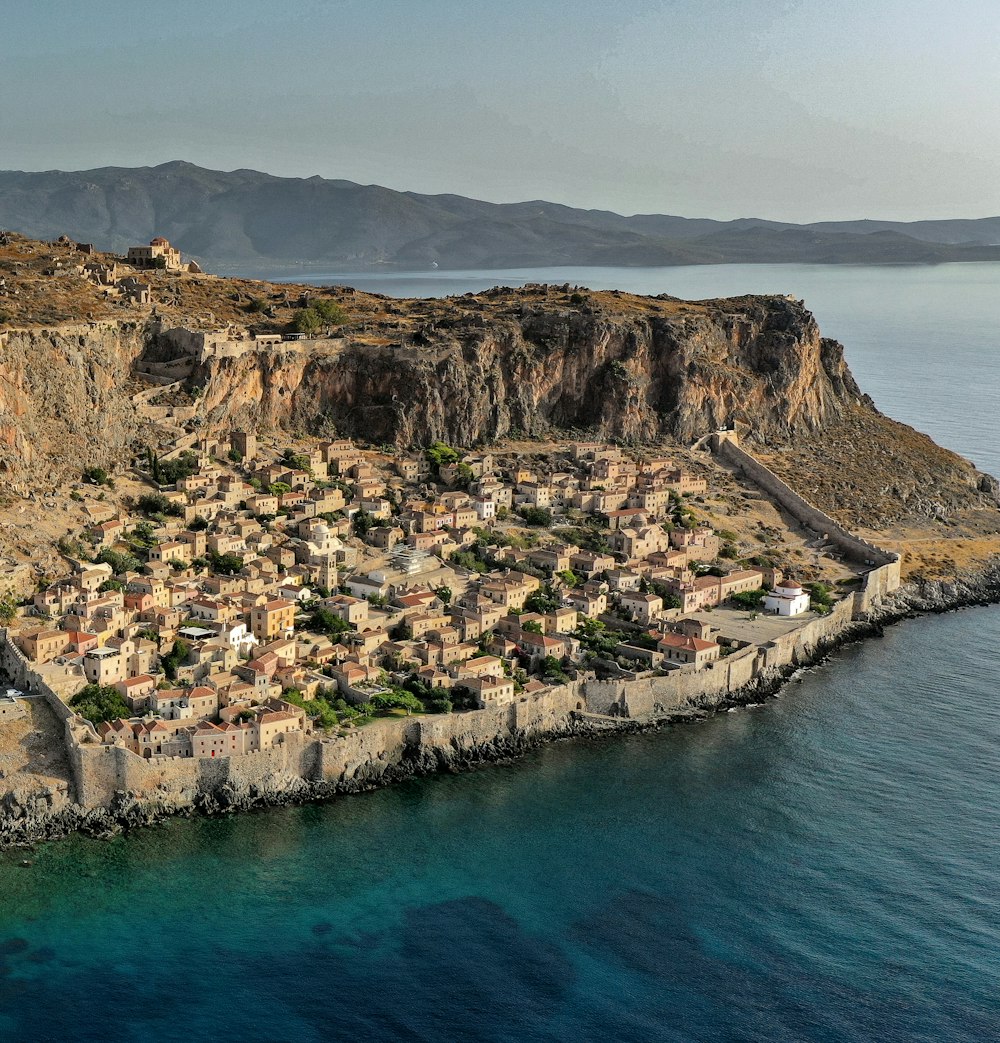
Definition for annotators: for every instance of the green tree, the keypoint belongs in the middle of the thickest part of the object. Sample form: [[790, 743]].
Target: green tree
[[543, 600], [297, 461], [552, 669], [362, 522], [540, 517], [174, 658], [444, 595], [227, 564], [99, 702], [119, 561], [307, 321], [438, 454], [397, 699], [323, 621], [8, 608], [749, 599], [329, 311], [156, 503]]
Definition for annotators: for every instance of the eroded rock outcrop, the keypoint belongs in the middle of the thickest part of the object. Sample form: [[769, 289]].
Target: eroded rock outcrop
[[642, 371]]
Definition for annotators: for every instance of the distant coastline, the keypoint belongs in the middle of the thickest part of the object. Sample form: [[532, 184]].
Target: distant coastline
[[251, 220]]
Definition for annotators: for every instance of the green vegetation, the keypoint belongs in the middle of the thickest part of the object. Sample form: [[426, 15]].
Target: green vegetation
[[819, 595], [296, 461], [8, 608], [543, 600], [595, 638], [166, 472], [397, 699], [120, 561], [749, 599], [99, 702], [174, 658], [589, 536], [323, 621], [320, 710], [438, 454], [553, 671], [363, 522], [155, 505], [444, 595], [98, 476], [318, 315], [540, 517], [435, 699], [226, 564]]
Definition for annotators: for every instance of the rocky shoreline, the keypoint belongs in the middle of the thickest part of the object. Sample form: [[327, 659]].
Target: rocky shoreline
[[23, 826]]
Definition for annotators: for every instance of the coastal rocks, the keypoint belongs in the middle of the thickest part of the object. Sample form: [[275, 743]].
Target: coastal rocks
[[980, 587]]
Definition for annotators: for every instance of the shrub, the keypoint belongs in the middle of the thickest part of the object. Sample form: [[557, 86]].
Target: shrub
[[99, 702], [156, 503], [749, 599], [537, 516]]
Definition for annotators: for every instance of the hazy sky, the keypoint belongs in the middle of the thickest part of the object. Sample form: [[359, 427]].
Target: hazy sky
[[788, 109]]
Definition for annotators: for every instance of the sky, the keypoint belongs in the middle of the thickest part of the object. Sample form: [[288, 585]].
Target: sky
[[794, 110]]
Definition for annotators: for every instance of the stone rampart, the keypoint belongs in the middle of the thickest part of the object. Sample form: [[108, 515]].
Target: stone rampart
[[883, 576]]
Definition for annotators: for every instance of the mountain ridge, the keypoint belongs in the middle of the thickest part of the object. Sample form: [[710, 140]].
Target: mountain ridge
[[245, 218]]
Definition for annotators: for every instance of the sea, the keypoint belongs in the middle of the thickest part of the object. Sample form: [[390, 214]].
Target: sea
[[823, 867]]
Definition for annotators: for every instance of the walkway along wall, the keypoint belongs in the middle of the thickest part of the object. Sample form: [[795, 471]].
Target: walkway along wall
[[883, 576]]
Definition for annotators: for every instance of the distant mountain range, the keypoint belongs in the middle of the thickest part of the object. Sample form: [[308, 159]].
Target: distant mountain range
[[250, 220]]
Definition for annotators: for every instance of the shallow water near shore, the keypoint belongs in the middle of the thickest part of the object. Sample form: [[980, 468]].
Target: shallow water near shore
[[821, 868], [825, 867]]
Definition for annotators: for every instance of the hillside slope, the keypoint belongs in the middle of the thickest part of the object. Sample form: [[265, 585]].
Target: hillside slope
[[244, 218]]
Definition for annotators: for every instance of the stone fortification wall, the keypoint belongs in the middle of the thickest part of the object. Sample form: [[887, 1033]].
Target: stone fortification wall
[[716, 683], [883, 576], [384, 750], [105, 771]]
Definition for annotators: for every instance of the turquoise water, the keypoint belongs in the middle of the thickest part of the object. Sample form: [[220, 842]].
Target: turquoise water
[[822, 868]]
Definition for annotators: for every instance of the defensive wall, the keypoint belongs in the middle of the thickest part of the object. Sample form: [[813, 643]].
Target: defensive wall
[[392, 747], [883, 575]]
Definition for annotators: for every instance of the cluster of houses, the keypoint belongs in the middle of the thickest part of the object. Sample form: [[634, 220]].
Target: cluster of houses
[[332, 570]]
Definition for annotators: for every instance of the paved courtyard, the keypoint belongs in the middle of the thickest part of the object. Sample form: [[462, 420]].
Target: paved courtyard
[[736, 623]]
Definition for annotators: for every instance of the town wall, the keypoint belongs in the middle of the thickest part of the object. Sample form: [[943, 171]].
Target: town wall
[[883, 576]]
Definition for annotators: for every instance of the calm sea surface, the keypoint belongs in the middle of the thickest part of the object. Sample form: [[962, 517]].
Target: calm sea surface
[[823, 868]]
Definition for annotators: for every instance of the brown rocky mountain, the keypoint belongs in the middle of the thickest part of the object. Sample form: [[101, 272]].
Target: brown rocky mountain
[[97, 378]]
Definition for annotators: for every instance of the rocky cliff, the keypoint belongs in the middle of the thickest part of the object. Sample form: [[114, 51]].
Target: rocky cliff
[[539, 361], [533, 363], [65, 400]]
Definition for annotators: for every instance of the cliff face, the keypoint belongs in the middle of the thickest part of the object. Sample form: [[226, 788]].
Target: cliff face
[[471, 370], [638, 375], [64, 400]]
